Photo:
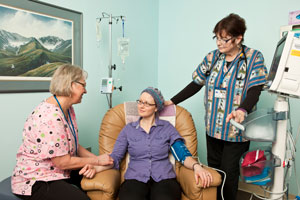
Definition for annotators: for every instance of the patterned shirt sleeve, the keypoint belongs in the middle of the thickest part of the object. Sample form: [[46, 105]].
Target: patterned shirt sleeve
[[199, 75], [258, 71], [46, 135]]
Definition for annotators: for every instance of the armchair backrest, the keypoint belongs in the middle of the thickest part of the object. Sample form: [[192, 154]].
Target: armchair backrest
[[114, 121]]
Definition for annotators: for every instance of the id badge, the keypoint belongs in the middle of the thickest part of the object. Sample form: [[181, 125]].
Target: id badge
[[220, 93]]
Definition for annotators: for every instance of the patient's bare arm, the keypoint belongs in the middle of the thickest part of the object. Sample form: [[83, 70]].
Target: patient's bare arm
[[103, 168]]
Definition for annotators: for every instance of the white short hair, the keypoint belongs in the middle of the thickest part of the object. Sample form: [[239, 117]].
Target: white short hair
[[63, 78]]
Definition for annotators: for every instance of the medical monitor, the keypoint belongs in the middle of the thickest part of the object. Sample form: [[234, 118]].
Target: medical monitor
[[276, 59], [284, 74]]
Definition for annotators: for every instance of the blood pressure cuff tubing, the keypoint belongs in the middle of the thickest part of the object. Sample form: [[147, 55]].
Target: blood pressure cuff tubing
[[179, 151]]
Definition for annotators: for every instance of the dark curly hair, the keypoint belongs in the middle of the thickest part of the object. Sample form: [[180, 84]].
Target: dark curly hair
[[232, 24]]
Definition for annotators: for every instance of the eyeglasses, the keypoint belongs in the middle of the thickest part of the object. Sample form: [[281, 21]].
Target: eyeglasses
[[83, 84], [145, 103], [222, 41]]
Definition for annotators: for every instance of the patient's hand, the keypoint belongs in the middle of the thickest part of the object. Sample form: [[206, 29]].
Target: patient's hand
[[204, 175], [105, 159], [88, 171]]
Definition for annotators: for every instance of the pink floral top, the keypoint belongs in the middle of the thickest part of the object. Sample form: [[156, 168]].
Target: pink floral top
[[46, 134]]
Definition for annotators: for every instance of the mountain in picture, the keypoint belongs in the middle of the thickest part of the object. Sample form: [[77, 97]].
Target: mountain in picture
[[23, 56]]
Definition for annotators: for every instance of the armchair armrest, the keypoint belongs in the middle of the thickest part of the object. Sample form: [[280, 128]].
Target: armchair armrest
[[107, 181], [217, 179], [188, 184]]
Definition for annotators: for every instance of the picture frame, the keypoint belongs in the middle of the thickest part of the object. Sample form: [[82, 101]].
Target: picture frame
[[63, 24]]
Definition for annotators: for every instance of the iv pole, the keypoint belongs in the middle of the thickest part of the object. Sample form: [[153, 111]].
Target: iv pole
[[110, 65], [110, 56]]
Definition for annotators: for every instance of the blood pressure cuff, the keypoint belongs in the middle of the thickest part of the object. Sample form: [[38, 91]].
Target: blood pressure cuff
[[179, 151]]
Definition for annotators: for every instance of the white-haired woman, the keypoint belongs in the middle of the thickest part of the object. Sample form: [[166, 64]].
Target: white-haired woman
[[50, 156]]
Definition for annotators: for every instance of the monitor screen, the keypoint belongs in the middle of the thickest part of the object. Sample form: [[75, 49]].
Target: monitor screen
[[104, 82], [276, 60]]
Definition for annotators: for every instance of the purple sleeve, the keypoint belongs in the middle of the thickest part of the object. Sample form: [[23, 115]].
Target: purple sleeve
[[174, 135], [120, 147]]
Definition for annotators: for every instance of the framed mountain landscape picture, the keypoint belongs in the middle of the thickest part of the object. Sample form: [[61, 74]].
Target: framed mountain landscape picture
[[36, 38]]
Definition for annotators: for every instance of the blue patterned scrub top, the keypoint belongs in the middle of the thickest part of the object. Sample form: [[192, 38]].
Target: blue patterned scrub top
[[226, 87]]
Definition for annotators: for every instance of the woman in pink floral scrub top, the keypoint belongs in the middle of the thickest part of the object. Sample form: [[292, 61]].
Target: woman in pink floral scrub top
[[49, 159]]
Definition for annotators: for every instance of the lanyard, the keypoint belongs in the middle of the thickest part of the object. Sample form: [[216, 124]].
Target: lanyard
[[242, 56], [72, 126]]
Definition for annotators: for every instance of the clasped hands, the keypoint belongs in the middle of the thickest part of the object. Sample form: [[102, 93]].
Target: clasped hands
[[102, 161]]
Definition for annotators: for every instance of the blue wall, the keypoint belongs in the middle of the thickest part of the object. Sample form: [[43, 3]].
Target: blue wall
[[142, 29], [185, 37]]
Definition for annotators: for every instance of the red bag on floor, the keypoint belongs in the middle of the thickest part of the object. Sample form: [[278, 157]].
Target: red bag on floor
[[253, 164]]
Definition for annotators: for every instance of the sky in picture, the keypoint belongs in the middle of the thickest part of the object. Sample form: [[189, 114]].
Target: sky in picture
[[29, 24]]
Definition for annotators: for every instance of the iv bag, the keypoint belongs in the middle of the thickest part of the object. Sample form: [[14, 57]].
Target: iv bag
[[123, 48], [98, 31]]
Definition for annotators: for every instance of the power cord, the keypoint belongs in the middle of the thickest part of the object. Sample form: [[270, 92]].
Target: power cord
[[267, 191], [291, 141], [108, 101], [223, 182]]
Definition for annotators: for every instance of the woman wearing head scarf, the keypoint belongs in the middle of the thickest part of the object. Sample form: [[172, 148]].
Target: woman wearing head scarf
[[150, 175]]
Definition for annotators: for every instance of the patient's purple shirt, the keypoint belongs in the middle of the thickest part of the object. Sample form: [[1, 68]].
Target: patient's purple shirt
[[148, 151]]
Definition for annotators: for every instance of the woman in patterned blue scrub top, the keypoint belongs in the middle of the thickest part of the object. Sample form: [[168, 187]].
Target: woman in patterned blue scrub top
[[233, 76]]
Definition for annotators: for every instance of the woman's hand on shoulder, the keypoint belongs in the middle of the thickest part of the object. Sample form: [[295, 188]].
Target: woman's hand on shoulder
[[167, 103], [105, 159], [204, 175]]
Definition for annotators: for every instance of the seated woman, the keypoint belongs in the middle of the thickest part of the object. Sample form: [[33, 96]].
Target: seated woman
[[150, 174], [50, 156]]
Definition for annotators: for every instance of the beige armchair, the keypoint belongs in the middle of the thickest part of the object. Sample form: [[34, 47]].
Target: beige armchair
[[105, 185]]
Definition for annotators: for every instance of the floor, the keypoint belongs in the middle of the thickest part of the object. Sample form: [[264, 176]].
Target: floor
[[241, 195]]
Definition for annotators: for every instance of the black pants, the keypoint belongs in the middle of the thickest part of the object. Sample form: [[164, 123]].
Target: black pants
[[225, 156], [168, 189], [66, 189]]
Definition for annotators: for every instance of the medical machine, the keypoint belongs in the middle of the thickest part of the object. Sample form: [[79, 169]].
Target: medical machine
[[107, 86], [283, 79], [285, 29], [284, 75], [267, 167]]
